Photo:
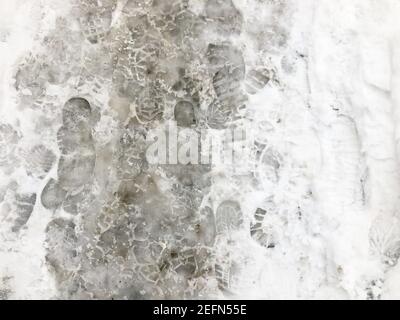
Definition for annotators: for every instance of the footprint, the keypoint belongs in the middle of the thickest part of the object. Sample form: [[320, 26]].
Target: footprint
[[75, 135], [78, 158], [77, 163], [24, 205], [224, 276], [229, 217], [218, 116], [256, 80], [29, 79], [52, 195], [16, 207], [38, 161], [269, 167], [259, 233], [259, 217], [76, 113], [385, 239], [227, 84]]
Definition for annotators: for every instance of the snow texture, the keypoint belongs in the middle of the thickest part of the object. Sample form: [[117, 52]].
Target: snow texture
[[85, 215]]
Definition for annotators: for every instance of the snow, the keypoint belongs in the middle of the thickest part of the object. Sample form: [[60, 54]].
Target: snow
[[332, 119]]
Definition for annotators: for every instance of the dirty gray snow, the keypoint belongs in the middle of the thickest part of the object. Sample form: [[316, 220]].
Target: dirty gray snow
[[199, 149]]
